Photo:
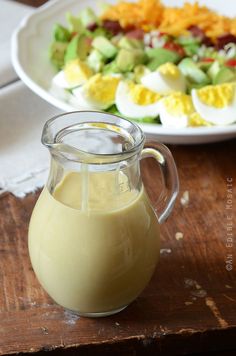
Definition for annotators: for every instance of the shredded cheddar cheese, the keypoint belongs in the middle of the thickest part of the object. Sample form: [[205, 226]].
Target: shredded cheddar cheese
[[152, 14]]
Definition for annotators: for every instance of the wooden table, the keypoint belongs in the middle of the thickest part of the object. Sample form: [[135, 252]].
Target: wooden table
[[188, 308]]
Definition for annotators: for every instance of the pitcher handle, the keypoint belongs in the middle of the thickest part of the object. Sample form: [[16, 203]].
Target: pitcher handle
[[163, 156]]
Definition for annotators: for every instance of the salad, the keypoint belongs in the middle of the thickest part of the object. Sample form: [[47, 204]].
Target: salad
[[149, 63]]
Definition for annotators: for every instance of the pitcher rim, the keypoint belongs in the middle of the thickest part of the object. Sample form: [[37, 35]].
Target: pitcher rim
[[54, 144]]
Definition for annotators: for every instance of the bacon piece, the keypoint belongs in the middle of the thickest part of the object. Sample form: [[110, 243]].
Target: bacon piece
[[224, 40], [112, 26], [198, 32], [92, 27]]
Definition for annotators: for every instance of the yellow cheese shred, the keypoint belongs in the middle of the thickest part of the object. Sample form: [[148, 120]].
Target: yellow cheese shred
[[152, 14]]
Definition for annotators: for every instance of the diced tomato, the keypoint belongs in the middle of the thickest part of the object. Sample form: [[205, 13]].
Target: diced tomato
[[231, 63], [207, 60], [171, 46], [163, 34]]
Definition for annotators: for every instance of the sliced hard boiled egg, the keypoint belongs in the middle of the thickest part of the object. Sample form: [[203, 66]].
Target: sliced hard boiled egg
[[98, 92], [196, 120], [59, 80], [165, 80], [216, 103], [75, 73], [176, 110], [135, 101]]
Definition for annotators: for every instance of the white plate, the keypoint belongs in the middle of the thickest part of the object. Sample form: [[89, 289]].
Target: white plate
[[30, 44]]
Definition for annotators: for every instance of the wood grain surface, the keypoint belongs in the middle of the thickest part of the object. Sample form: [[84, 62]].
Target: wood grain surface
[[190, 304]]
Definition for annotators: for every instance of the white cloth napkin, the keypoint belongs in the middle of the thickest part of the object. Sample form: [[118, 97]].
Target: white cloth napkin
[[23, 160], [11, 13]]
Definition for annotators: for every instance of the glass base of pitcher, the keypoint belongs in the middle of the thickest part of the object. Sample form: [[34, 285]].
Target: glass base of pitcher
[[97, 315]]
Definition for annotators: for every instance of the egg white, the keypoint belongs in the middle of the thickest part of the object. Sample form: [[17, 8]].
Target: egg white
[[81, 99], [169, 120], [162, 84], [217, 116], [59, 80], [128, 108]]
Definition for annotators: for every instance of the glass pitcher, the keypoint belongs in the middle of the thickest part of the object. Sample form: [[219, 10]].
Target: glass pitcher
[[93, 234]]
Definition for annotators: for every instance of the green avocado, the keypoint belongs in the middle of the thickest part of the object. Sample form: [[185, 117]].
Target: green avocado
[[57, 52], [110, 68], [61, 34], [192, 72], [130, 43], [213, 70], [204, 65], [159, 56], [225, 75], [126, 59], [88, 17], [191, 49], [75, 23], [96, 60], [77, 48], [103, 45]]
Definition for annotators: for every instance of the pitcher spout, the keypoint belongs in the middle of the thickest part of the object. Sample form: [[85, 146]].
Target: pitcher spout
[[92, 137]]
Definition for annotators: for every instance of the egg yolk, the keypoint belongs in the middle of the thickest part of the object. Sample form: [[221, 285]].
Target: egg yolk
[[178, 104], [218, 96], [77, 72], [169, 70], [141, 95], [102, 89], [196, 120]]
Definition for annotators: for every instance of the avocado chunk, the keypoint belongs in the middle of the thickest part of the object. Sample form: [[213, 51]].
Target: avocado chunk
[[204, 65], [191, 85], [75, 23], [213, 70], [126, 59], [130, 43], [88, 17], [77, 48], [225, 75], [61, 34], [98, 32], [159, 56], [191, 49], [96, 60], [191, 71], [103, 45], [188, 40], [111, 68], [139, 71], [57, 53]]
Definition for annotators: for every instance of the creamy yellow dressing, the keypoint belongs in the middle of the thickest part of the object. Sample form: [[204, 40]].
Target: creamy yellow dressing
[[92, 249]]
